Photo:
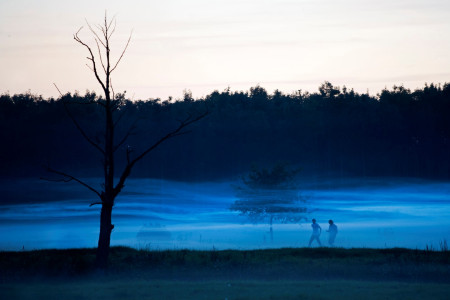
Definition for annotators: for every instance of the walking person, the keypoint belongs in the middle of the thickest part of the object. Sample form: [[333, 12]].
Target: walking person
[[332, 232], [316, 233]]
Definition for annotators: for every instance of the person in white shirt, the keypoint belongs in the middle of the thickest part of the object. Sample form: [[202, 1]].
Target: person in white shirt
[[316, 233], [332, 232]]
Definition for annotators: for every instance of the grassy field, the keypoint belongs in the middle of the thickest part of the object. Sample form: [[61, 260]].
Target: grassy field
[[319, 273], [142, 289]]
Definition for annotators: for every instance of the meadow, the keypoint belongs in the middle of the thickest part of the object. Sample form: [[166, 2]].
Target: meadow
[[287, 273]]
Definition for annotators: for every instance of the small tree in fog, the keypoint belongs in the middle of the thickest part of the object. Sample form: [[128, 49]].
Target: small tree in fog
[[102, 67], [269, 195]]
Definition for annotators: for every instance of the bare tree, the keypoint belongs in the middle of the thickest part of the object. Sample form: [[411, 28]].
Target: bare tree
[[101, 65]]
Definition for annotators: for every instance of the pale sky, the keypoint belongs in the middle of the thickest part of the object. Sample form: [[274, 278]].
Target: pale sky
[[203, 45]]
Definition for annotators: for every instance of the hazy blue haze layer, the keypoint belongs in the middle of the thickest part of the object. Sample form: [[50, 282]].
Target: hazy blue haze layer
[[159, 214]]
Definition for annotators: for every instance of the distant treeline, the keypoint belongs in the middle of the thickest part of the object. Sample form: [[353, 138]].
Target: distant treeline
[[335, 131]]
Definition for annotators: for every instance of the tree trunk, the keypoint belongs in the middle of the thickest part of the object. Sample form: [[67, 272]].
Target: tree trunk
[[107, 197], [105, 236]]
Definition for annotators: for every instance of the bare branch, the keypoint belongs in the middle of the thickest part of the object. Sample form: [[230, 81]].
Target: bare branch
[[77, 102], [123, 52], [112, 88], [95, 33], [92, 58], [175, 132], [95, 203], [108, 32], [76, 34], [124, 139], [105, 33], [68, 178], [182, 133], [106, 20], [100, 55], [113, 30], [129, 150], [178, 131], [55, 180], [185, 120], [89, 67], [58, 89], [83, 133], [113, 19]]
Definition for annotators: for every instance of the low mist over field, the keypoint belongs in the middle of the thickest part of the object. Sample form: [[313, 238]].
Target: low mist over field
[[160, 214]]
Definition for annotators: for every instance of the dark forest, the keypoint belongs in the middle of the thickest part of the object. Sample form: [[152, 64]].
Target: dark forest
[[333, 132]]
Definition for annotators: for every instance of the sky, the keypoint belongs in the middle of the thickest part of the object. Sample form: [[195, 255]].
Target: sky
[[207, 45]]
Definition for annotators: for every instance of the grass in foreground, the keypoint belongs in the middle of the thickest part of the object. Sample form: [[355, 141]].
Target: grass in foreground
[[141, 289], [318, 273], [269, 264]]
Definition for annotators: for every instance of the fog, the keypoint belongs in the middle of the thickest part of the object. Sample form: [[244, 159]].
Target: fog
[[158, 214]]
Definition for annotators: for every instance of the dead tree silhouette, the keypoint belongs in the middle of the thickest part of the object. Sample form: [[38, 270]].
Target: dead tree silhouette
[[110, 105]]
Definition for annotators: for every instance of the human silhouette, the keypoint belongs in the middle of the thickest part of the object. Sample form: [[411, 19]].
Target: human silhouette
[[332, 231], [316, 233]]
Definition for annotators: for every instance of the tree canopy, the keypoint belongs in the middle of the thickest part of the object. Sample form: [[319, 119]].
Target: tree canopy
[[335, 131]]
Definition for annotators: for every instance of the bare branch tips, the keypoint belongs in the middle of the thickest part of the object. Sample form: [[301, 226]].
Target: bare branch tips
[[58, 89], [123, 52], [91, 58]]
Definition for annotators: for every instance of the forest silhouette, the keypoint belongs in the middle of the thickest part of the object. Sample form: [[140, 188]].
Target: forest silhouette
[[334, 132]]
